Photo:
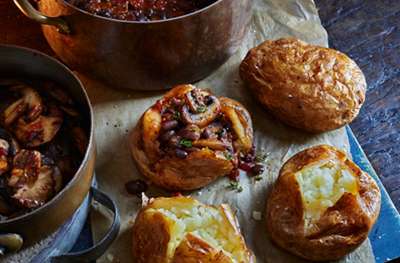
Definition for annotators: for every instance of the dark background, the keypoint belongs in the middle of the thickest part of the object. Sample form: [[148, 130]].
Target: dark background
[[367, 30]]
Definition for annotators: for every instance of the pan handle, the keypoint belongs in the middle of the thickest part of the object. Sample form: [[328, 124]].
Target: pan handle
[[26, 7], [94, 252]]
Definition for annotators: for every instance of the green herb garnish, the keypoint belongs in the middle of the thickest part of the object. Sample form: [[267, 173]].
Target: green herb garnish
[[176, 115], [233, 185], [201, 109], [261, 156], [258, 178], [228, 155], [186, 143]]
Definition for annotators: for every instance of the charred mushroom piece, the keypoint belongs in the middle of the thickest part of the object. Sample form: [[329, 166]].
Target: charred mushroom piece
[[13, 148], [29, 105], [200, 110], [32, 183], [39, 131], [34, 194], [26, 168], [4, 150]]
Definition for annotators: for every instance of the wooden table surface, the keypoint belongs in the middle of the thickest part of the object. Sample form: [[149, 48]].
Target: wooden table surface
[[369, 31]]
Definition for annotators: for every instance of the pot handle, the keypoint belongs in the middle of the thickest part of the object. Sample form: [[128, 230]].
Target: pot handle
[[26, 7], [94, 252]]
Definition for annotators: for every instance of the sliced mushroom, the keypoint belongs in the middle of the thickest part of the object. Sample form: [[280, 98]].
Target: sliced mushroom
[[200, 108], [213, 144], [34, 194], [29, 105], [4, 150], [241, 123], [26, 168], [39, 131], [13, 144]]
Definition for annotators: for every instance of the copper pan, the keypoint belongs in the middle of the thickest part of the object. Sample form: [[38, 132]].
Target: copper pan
[[143, 55]]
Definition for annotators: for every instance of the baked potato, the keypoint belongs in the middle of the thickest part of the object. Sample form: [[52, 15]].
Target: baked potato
[[313, 88], [181, 229], [190, 138], [322, 205]]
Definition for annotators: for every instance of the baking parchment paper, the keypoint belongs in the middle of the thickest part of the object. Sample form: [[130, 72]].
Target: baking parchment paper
[[117, 112]]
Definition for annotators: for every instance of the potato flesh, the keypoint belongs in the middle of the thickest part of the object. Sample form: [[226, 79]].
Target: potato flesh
[[321, 186], [205, 223]]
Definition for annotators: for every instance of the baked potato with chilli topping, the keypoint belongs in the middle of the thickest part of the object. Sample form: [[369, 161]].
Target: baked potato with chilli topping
[[181, 229], [322, 205], [313, 88], [190, 137]]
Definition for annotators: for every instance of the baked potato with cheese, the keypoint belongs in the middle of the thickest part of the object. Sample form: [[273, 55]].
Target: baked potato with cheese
[[322, 205], [313, 88], [181, 229], [190, 137]]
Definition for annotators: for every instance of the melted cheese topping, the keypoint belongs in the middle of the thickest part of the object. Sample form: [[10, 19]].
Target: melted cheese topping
[[322, 185], [206, 223]]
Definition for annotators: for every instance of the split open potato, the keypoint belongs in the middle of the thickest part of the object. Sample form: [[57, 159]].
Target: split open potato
[[190, 137], [322, 205], [181, 229], [312, 88]]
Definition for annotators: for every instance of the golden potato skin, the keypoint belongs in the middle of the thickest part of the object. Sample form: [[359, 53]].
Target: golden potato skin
[[313, 88], [151, 236], [200, 168], [195, 250], [341, 228]]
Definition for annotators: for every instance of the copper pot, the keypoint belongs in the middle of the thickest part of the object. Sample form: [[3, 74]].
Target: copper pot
[[24, 63], [143, 55]]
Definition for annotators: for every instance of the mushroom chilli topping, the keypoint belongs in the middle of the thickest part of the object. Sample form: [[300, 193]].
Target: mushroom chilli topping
[[196, 119], [42, 142]]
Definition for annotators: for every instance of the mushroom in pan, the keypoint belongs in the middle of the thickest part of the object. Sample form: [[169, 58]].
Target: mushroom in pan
[[8, 148], [30, 105], [41, 130], [4, 148], [32, 182], [66, 102]]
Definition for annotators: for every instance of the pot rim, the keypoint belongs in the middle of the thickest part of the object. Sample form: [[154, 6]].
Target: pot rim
[[204, 9], [90, 141]]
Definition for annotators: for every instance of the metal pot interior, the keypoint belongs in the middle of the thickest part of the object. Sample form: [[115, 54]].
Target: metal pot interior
[[24, 63]]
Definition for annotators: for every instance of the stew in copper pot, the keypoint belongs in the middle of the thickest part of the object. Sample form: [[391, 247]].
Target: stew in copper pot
[[141, 10]]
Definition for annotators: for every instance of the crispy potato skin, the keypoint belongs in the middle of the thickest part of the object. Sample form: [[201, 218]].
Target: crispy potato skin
[[151, 235], [194, 250], [340, 229], [201, 167], [313, 88]]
